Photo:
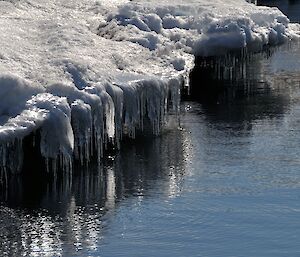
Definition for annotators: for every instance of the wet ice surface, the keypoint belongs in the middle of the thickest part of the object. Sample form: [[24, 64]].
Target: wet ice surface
[[227, 184]]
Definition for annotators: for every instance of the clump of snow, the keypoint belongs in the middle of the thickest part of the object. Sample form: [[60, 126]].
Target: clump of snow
[[84, 73]]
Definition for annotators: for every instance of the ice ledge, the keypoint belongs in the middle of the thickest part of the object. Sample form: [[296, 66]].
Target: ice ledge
[[74, 123]]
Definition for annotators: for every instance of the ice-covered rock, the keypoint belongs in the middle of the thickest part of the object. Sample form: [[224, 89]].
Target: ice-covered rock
[[81, 74]]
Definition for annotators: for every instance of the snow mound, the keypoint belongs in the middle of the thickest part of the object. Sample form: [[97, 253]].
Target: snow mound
[[81, 74], [198, 26]]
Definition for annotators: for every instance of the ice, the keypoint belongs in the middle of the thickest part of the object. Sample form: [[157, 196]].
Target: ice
[[52, 116], [77, 76], [82, 126]]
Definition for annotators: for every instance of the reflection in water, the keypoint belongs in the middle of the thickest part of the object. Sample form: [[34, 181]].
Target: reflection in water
[[256, 94], [264, 104], [63, 217]]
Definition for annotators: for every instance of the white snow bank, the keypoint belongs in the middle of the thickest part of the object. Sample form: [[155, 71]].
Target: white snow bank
[[200, 27], [84, 73]]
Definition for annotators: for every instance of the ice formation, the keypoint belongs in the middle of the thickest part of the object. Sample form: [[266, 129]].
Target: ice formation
[[83, 73]]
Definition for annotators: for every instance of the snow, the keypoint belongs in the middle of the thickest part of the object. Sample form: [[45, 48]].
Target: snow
[[198, 27], [85, 73]]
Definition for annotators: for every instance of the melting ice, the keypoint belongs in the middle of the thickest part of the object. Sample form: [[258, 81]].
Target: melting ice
[[81, 74]]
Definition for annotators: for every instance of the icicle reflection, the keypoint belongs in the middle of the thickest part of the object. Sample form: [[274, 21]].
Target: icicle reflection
[[71, 215]]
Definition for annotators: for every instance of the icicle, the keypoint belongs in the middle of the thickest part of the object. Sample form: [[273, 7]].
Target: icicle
[[117, 96], [82, 127]]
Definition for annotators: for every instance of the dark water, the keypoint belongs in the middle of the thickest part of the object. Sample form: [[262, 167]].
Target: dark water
[[291, 8], [226, 184]]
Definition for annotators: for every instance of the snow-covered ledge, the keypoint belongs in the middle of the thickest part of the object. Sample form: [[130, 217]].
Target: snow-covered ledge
[[83, 73]]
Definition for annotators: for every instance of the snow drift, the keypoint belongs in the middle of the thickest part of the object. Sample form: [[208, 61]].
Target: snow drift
[[84, 73]]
